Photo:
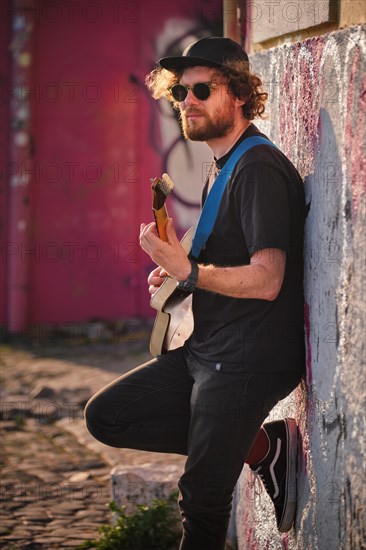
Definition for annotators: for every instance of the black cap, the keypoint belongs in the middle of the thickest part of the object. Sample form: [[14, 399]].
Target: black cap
[[211, 51]]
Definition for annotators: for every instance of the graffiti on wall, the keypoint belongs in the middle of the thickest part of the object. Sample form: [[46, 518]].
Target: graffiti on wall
[[186, 162], [318, 105]]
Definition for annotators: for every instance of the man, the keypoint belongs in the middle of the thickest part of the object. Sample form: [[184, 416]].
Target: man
[[209, 398]]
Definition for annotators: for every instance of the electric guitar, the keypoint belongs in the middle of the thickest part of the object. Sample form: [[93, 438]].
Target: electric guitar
[[174, 320]]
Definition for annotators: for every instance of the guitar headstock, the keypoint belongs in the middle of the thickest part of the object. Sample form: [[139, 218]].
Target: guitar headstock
[[161, 187]]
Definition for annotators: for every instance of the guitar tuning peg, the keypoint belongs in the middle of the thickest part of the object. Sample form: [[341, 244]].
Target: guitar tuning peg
[[167, 179]]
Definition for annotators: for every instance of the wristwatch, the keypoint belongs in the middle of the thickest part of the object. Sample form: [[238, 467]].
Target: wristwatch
[[190, 284]]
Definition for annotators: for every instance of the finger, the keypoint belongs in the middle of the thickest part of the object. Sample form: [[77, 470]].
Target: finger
[[147, 236], [155, 281], [150, 232], [153, 289], [142, 231], [151, 228], [155, 272], [146, 228]]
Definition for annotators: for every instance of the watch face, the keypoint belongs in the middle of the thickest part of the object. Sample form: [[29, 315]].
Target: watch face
[[190, 284], [187, 286]]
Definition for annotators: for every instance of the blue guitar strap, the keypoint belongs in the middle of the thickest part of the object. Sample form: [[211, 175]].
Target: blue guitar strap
[[211, 206]]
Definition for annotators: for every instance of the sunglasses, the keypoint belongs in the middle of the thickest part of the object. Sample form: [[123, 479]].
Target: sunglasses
[[201, 90]]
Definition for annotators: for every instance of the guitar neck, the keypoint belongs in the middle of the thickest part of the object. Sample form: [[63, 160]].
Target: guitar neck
[[161, 188], [161, 217]]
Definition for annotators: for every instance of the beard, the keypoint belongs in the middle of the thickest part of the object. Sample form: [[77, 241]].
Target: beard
[[207, 127]]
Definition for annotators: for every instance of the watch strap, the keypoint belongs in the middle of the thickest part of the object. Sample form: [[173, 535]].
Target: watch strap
[[190, 284]]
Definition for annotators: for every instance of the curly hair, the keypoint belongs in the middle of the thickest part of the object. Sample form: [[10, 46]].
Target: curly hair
[[240, 80]]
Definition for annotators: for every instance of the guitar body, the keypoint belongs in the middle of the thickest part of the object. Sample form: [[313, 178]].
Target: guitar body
[[174, 320]]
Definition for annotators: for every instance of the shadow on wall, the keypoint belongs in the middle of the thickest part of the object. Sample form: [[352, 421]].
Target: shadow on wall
[[321, 423]]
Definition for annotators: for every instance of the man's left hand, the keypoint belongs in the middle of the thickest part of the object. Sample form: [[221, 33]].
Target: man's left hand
[[170, 255]]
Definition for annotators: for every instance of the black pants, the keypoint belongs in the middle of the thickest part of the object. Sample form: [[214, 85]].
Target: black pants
[[209, 412]]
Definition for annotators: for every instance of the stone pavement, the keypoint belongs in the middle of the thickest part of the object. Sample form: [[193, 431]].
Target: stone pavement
[[56, 481], [54, 491]]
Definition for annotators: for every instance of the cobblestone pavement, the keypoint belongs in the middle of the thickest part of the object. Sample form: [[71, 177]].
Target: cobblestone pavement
[[55, 482], [54, 491]]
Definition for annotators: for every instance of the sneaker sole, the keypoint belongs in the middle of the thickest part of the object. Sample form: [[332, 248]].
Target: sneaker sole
[[289, 509]]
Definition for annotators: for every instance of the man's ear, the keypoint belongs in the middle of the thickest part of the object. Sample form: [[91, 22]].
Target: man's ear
[[239, 102]]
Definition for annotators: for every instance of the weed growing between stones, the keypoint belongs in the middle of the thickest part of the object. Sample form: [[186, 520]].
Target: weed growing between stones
[[155, 526]]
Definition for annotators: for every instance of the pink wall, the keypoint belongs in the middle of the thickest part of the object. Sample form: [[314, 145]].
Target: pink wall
[[5, 67], [84, 196], [94, 146]]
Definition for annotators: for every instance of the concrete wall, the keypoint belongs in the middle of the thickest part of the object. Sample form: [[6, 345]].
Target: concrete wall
[[317, 107]]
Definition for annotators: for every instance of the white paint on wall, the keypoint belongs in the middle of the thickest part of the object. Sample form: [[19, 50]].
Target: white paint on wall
[[316, 119]]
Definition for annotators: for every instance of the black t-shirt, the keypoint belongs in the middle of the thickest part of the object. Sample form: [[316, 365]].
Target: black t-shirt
[[263, 206]]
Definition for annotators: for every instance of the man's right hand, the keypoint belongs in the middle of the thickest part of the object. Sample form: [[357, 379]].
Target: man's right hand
[[156, 279]]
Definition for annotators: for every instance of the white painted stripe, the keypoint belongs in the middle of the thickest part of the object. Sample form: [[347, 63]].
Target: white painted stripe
[[271, 468]]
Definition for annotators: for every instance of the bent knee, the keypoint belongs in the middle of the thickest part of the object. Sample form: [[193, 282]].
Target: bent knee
[[96, 419], [92, 413], [104, 422]]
